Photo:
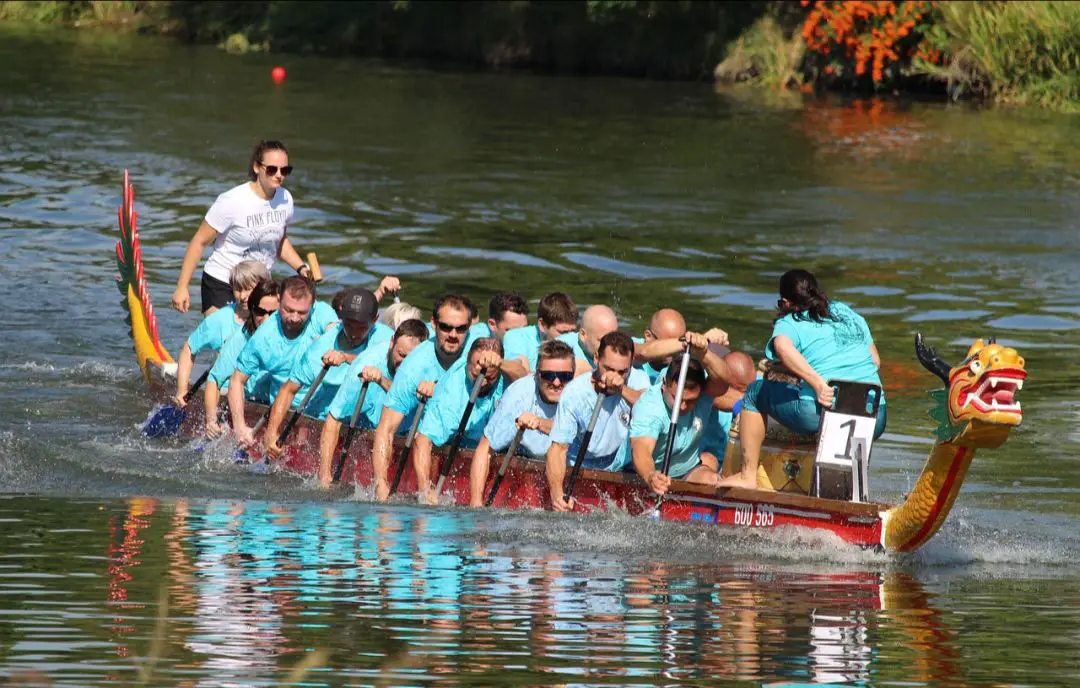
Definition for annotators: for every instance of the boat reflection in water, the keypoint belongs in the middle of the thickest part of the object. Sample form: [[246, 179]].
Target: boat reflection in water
[[410, 594]]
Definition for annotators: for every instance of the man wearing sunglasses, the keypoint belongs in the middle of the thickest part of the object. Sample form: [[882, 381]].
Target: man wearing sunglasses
[[557, 315], [452, 317], [447, 406], [528, 404], [273, 349], [621, 384], [596, 321], [376, 367], [339, 346]]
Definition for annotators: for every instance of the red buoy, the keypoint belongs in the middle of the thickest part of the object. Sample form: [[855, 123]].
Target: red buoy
[[277, 74]]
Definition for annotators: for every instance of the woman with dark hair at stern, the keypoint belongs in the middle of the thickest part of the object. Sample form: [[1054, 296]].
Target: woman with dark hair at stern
[[817, 340], [247, 222]]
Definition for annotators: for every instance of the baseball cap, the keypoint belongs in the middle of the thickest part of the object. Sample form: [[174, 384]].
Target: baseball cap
[[358, 304]]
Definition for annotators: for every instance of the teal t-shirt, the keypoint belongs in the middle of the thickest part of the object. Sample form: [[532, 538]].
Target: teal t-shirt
[[652, 418], [269, 351], [421, 364], [523, 342], [382, 332], [716, 439], [647, 367], [348, 393], [478, 330], [214, 330], [309, 365], [573, 340], [222, 370], [446, 407], [608, 449], [838, 348], [519, 397]]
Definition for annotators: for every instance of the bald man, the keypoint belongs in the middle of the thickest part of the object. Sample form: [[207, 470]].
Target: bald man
[[596, 321], [664, 339]]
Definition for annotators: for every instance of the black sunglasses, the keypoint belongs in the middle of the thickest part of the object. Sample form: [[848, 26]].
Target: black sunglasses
[[272, 170], [549, 376], [444, 327], [262, 311]]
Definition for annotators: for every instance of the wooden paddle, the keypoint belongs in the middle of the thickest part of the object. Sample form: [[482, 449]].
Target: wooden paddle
[[340, 465], [316, 271], [408, 445], [456, 444], [504, 466]]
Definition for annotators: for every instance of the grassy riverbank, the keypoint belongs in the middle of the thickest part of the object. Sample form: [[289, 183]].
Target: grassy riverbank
[[1009, 52]]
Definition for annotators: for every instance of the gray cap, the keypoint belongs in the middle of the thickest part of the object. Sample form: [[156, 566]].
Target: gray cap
[[359, 304]]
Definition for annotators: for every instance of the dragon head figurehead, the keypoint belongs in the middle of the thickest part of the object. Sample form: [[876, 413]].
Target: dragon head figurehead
[[978, 407]]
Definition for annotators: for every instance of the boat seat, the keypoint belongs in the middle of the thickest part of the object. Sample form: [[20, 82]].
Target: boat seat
[[846, 436]]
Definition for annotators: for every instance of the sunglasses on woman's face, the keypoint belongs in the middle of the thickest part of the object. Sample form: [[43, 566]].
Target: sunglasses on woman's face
[[262, 311], [550, 376], [272, 170]]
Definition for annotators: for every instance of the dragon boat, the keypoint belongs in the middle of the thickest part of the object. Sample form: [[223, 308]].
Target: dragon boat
[[975, 409]]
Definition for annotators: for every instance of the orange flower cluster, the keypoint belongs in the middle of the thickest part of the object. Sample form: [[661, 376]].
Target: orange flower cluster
[[868, 36]]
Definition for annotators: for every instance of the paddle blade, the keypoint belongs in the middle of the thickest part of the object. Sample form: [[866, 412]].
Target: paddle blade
[[164, 422]]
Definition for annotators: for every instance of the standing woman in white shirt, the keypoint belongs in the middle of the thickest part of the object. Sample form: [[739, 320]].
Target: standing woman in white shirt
[[247, 222]]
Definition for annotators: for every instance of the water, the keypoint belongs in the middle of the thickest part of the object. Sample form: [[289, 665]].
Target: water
[[941, 219]]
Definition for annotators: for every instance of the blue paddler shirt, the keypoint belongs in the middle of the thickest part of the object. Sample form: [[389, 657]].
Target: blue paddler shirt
[[269, 351], [523, 342], [573, 340], [520, 397], [348, 393], [214, 330], [309, 365], [608, 449], [652, 418], [222, 370], [421, 364], [447, 406]]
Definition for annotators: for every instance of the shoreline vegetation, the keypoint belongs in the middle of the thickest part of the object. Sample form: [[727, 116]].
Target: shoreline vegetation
[[1005, 52]]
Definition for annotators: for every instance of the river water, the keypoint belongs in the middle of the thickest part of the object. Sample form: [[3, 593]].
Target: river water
[[129, 561]]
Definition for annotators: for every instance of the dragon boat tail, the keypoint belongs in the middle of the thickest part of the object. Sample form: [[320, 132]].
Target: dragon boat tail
[[976, 409]]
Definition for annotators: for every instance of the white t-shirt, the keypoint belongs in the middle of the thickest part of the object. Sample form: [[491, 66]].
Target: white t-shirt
[[248, 227]]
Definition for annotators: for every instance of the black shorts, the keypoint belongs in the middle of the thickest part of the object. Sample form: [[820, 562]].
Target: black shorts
[[215, 293]]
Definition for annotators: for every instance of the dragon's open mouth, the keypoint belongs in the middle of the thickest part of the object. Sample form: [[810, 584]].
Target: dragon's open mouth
[[995, 391]]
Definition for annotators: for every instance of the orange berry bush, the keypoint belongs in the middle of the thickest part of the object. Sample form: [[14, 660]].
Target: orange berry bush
[[868, 43]]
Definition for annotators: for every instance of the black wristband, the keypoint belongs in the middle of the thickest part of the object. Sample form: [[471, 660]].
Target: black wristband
[[300, 269]]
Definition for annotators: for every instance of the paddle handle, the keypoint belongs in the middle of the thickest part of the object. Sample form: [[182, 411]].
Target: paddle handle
[[580, 459], [195, 387], [456, 444], [313, 263], [400, 471], [240, 452], [284, 435], [504, 466], [340, 466]]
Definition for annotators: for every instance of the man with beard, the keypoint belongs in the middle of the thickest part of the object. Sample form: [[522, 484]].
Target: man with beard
[[621, 385], [273, 349], [339, 346], [529, 404], [507, 311], [596, 321], [416, 377], [446, 409], [376, 367]]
